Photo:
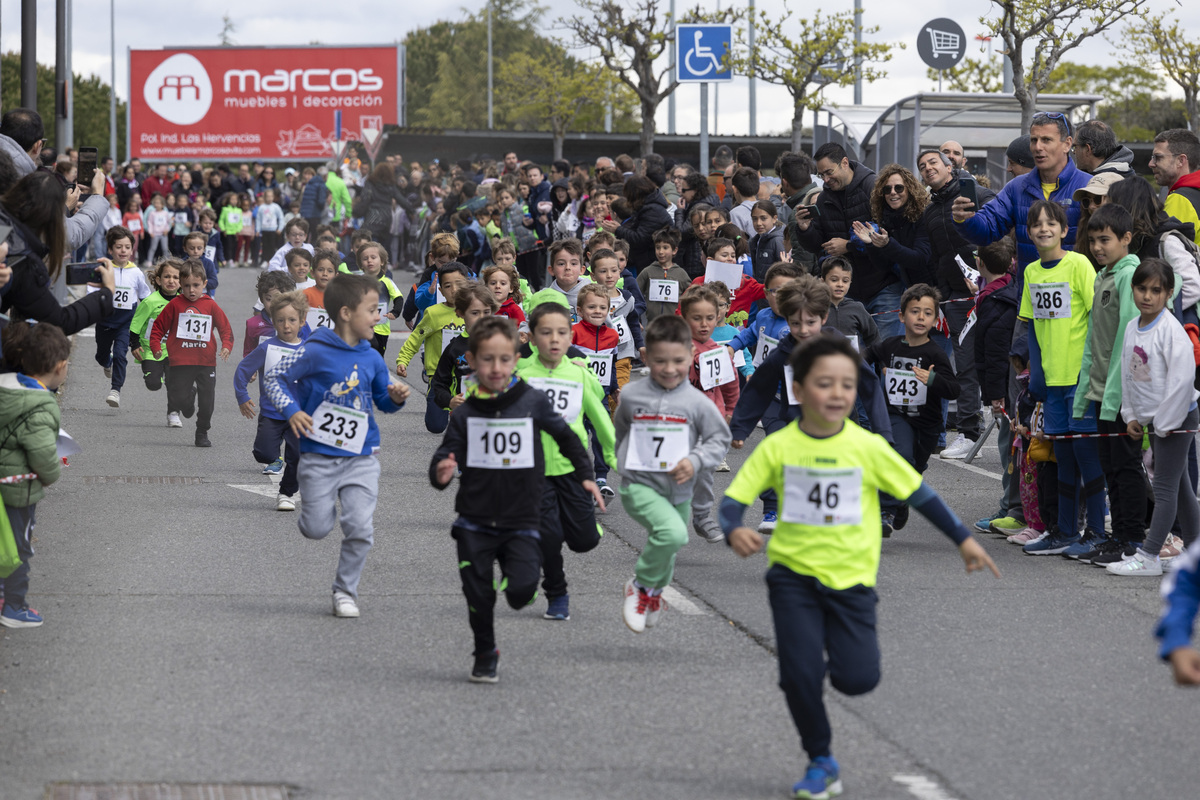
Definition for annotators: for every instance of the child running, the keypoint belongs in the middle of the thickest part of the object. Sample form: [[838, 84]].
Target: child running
[[448, 384], [29, 414], [323, 269], [662, 283], [287, 312], [190, 323], [1158, 397], [622, 317], [373, 260], [504, 283], [165, 278], [568, 514], [667, 432], [260, 328], [492, 438], [112, 332], [824, 554], [326, 390], [437, 328]]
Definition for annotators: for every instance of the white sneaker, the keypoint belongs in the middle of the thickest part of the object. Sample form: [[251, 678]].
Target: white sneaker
[[637, 603], [114, 398], [284, 503], [723, 466], [173, 420], [344, 605], [654, 609], [108, 371], [958, 448], [1138, 564]]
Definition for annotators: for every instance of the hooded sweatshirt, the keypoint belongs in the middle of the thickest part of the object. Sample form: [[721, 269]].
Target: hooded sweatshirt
[[1182, 204], [325, 375], [1112, 310], [29, 422]]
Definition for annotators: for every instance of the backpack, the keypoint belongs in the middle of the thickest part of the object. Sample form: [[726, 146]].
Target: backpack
[[1183, 314]]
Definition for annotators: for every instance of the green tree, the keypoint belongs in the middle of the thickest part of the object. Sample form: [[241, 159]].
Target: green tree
[[806, 55], [550, 90], [631, 36], [971, 75], [1160, 43], [91, 96], [1053, 28]]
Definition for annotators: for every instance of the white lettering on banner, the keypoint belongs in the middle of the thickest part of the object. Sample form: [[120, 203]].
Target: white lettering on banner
[[338, 80]]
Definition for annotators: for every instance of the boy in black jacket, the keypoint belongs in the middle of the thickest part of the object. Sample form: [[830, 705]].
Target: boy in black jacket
[[494, 439], [472, 302], [917, 376]]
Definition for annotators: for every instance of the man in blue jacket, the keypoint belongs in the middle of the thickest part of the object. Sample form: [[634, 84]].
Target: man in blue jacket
[[1055, 178]]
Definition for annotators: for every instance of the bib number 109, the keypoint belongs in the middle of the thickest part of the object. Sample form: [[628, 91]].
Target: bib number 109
[[500, 443]]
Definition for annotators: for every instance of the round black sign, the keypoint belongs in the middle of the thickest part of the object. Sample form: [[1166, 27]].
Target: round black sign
[[941, 43]]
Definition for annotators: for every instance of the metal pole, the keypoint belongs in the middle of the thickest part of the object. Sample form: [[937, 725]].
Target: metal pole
[[112, 85], [608, 105], [674, 60], [29, 54], [1008, 75], [491, 117], [857, 53], [753, 99], [703, 126], [61, 76], [69, 139], [716, 96]]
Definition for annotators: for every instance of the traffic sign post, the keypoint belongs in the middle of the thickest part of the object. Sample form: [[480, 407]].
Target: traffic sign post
[[702, 52]]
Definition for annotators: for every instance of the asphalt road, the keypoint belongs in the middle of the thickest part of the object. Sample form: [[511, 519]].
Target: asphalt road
[[188, 638]]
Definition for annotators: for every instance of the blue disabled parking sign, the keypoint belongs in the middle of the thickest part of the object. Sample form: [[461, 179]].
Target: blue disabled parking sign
[[701, 51]]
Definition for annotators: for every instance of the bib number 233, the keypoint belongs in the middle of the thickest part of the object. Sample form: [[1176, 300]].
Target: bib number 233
[[340, 427]]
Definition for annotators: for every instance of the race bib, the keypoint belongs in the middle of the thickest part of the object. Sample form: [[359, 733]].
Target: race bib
[[716, 368], [448, 336], [124, 297], [193, 327], [903, 388], [318, 318], [135, 225], [264, 337], [656, 446], [210, 253], [602, 365], [1050, 300], [854, 341], [500, 443], [663, 291], [822, 496], [340, 427], [566, 397], [385, 306], [765, 345], [739, 359], [621, 326], [789, 378], [274, 353]]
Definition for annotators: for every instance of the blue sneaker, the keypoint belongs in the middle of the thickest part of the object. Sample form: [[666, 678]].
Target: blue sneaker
[[768, 522], [1089, 542], [559, 608], [984, 525], [822, 780], [1052, 544], [274, 468], [20, 618]]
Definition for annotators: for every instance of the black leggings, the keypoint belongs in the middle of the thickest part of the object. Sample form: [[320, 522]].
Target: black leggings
[[520, 563]]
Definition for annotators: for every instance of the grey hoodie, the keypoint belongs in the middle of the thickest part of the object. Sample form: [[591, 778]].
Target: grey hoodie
[[1120, 162], [21, 160], [708, 435]]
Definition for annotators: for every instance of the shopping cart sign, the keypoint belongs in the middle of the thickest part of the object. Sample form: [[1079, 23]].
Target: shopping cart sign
[[702, 51], [941, 43]]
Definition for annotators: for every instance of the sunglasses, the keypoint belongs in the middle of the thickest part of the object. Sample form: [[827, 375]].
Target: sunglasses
[[893, 188], [1056, 115]]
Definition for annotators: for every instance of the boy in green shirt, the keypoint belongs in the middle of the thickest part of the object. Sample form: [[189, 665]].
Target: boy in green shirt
[[574, 392], [824, 553], [165, 279]]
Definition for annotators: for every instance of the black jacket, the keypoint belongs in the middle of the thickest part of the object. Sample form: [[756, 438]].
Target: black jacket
[[906, 255], [945, 241], [29, 295], [837, 210], [378, 197], [691, 253], [508, 499], [995, 320], [765, 249], [800, 256], [639, 230], [451, 369]]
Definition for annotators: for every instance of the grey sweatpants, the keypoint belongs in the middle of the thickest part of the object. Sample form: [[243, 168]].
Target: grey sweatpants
[[702, 495], [1174, 495], [324, 480]]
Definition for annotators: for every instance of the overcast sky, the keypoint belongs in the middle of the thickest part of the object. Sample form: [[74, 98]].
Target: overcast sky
[[294, 22]]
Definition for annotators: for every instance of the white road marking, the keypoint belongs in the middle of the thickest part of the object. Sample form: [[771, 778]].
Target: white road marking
[[266, 490], [89, 333], [677, 602], [970, 468], [921, 787]]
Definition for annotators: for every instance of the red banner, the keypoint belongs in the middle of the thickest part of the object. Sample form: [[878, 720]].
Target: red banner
[[258, 103]]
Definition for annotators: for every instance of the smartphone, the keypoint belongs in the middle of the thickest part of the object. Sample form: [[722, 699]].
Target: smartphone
[[966, 188], [5, 230], [88, 158], [813, 210], [83, 272]]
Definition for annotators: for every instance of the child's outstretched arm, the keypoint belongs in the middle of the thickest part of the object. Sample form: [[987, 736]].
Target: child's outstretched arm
[[446, 459], [1181, 598]]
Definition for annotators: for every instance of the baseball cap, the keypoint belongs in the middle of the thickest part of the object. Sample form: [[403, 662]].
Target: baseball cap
[[1099, 185]]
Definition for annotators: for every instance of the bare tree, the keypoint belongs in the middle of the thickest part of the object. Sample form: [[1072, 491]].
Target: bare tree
[[630, 37], [1053, 28], [228, 29]]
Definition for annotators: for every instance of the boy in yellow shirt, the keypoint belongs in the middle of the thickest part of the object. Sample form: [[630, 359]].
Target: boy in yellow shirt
[[437, 328]]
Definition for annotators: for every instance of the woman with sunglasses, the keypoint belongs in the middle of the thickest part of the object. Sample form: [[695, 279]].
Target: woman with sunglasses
[[267, 181], [897, 242]]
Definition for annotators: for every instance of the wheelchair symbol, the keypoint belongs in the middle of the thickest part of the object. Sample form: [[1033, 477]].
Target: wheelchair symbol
[[701, 53]]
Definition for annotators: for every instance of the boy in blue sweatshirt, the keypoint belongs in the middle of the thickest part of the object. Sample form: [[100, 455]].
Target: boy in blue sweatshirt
[[287, 312], [325, 390], [1181, 593]]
